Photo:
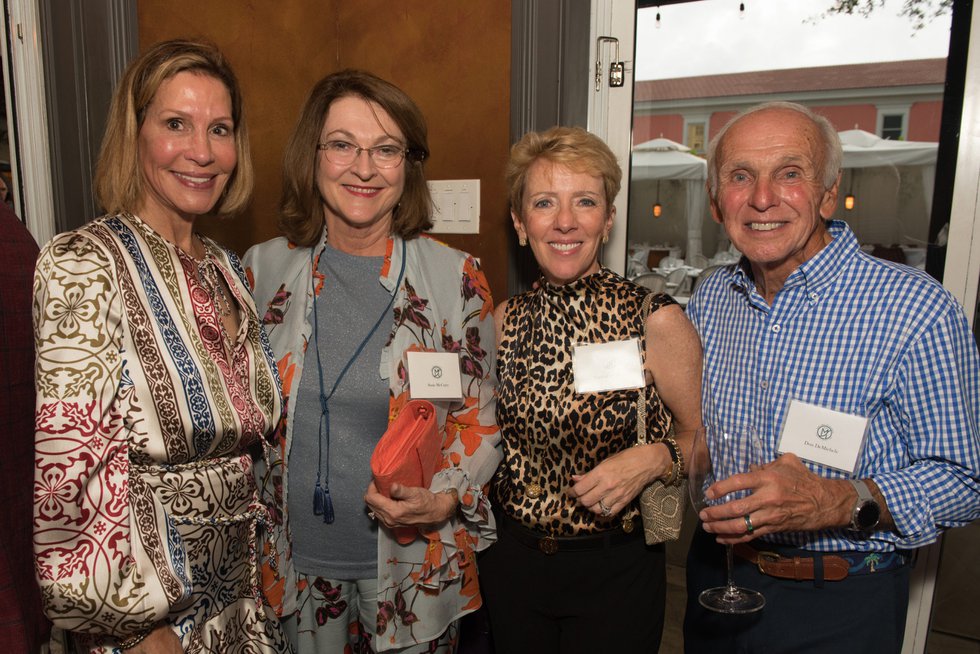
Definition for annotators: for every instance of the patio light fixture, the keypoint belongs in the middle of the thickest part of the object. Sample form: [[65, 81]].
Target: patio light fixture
[[849, 198], [657, 207]]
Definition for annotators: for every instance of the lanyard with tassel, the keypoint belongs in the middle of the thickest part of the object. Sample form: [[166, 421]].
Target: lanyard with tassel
[[322, 504]]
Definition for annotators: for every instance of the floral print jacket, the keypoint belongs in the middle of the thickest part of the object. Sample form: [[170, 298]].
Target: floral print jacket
[[442, 305]]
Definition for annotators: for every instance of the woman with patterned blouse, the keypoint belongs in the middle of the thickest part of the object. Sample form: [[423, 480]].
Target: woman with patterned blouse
[[349, 291], [571, 572], [155, 383]]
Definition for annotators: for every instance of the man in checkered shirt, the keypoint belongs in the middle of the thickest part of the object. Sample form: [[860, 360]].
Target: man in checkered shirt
[[807, 319]]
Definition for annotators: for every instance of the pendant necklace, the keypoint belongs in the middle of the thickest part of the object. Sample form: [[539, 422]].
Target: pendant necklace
[[322, 504], [214, 284]]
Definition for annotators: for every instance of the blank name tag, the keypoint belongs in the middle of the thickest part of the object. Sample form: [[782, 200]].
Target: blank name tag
[[823, 436], [613, 366]]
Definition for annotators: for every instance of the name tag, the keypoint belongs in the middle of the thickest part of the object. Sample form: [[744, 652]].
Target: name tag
[[434, 376], [613, 366], [823, 436]]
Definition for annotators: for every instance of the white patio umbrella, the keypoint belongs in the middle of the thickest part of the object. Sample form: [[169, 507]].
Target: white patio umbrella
[[662, 158], [865, 150]]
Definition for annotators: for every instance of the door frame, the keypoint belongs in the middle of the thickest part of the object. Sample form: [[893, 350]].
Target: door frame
[[59, 81], [611, 109], [961, 274], [30, 159]]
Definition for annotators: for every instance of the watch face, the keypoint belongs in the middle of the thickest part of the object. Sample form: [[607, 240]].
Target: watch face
[[868, 515]]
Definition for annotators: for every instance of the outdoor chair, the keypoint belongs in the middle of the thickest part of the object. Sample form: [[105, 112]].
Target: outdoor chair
[[703, 275], [652, 280]]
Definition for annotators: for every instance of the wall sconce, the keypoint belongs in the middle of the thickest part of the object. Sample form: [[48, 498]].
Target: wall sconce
[[657, 207], [849, 198]]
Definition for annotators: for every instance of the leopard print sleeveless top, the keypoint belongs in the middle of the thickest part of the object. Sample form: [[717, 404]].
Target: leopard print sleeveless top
[[549, 432]]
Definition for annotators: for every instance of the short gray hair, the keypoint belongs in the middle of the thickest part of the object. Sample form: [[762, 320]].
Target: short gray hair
[[833, 154]]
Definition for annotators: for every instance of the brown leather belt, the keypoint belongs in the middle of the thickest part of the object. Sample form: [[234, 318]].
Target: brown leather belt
[[552, 544], [799, 568]]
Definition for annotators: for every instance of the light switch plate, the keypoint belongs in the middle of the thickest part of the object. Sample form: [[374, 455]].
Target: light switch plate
[[455, 206]]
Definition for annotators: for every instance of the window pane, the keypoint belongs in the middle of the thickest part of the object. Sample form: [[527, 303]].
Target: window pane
[[695, 137], [880, 88], [891, 127]]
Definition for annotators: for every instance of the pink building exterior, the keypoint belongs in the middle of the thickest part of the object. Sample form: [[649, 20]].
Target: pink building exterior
[[899, 99]]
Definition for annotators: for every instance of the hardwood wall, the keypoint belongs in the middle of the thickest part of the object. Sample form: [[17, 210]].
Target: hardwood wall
[[451, 57]]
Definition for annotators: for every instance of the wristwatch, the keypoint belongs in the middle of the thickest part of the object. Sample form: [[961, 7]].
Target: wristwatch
[[867, 511]]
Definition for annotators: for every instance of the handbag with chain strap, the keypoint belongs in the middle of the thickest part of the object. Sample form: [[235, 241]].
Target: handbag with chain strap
[[661, 506]]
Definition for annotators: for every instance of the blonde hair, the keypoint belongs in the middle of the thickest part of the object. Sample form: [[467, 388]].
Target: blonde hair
[[572, 147], [118, 174]]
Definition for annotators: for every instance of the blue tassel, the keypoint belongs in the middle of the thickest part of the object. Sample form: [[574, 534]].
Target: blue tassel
[[327, 507], [318, 499]]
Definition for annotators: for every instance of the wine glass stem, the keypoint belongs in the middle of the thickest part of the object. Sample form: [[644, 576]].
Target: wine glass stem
[[729, 566]]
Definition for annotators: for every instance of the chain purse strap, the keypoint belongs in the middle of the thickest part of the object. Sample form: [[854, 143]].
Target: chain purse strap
[[641, 396], [661, 503], [676, 473]]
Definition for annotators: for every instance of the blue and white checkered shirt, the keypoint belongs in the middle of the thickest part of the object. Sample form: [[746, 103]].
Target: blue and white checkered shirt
[[856, 334]]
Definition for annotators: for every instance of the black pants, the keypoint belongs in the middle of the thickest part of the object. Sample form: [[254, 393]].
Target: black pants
[[604, 600], [860, 614]]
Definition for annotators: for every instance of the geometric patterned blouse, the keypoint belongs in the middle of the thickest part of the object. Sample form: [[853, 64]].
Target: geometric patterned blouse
[[148, 418]]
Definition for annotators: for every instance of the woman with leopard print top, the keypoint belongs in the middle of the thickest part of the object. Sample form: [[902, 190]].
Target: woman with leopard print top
[[571, 571]]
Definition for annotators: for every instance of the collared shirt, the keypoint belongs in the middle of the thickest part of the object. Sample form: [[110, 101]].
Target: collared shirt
[[864, 336]]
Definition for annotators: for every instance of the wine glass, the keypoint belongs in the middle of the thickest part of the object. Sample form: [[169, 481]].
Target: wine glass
[[719, 453]]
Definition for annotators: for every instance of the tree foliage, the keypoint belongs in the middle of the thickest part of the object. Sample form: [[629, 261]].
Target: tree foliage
[[919, 12]]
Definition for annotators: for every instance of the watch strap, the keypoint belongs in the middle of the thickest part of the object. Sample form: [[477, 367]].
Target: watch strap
[[864, 493], [865, 498]]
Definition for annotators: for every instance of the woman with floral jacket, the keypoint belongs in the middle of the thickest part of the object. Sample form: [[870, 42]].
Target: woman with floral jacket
[[349, 290]]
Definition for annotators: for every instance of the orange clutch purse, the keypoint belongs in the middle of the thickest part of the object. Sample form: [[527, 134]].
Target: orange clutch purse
[[408, 454]]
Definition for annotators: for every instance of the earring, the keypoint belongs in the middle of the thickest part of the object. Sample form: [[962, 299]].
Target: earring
[[605, 238], [522, 240]]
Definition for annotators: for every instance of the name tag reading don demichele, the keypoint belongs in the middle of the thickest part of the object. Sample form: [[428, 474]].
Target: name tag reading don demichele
[[434, 376], [823, 436], [613, 366]]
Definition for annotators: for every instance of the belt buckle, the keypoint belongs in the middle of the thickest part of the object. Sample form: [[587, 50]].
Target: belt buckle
[[764, 557], [548, 545]]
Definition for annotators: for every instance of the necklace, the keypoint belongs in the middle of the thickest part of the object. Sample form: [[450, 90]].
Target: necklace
[[209, 277], [205, 272], [322, 504], [213, 282]]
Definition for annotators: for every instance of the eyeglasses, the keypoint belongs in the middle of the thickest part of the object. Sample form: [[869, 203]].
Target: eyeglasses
[[343, 153]]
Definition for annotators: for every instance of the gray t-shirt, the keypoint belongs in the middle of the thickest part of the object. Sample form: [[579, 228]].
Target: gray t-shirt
[[350, 303]]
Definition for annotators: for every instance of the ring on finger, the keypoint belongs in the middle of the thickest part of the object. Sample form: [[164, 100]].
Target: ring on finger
[[748, 524], [604, 510]]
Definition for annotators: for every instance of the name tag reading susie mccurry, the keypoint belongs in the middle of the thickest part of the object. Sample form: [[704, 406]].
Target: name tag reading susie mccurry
[[823, 436], [613, 366], [434, 376]]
